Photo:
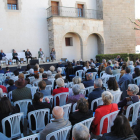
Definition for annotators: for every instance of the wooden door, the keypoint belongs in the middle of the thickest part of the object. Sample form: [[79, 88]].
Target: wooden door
[[55, 7], [80, 10]]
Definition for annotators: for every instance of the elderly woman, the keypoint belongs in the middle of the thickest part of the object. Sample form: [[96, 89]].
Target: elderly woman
[[113, 85], [76, 90], [89, 82], [60, 89], [41, 70], [52, 69], [49, 74], [82, 113], [130, 65], [107, 73], [77, 80], [101, 111], [133, 98]]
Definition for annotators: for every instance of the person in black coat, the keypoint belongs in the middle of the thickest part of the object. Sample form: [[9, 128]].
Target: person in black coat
[[96, 93], [28, 55], [92, 68], [38, 104], [82, 113], [78, 67], [136, 73]]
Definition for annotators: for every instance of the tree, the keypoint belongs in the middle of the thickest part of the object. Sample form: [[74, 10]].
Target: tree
[[137, 25]]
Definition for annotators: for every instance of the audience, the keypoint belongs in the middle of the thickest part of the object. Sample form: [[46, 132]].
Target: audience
[[78, 67], [136, 73], [137, 64], [101, 68], [41, 70], [97, 62], [31, 73], [87, 67], [80, 132], [101, 111], [58, 123], [77, 80], [121, 62], [92, 68], [107, 73], [28, 67], [59, 71], [131, 65], [49, 75], [122, 70], [109, 63], [37, 79], [15, 77], [1, 71], [12, 86], [82, 112], [45, 78], [19, 68], [60, 64], [7, 70], [52, 69], [36, 69], [88, 82], [116, 70]]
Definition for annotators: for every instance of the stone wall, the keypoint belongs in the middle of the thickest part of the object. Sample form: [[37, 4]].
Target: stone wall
[[118, 30]]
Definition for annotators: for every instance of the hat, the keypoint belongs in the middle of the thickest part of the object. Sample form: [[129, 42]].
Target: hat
[[20, 83]]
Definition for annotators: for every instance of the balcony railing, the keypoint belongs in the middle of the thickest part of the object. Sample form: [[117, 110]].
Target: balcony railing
[[73, 12]]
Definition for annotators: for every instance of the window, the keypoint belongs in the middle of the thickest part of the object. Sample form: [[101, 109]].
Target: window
[[12, 5], [69, 41], [80, 8]]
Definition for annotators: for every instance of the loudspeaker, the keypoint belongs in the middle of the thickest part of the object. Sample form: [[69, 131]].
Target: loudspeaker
[[33, 62], [63, 59]]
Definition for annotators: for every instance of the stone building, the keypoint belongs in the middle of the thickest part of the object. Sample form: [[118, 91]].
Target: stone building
[[75, 28]]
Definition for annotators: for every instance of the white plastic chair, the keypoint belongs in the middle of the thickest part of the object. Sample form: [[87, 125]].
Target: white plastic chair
[[4, 95], [136, 108], [79, 73], [33, 91], [31, 137], [25, 75], [137, 80], [99, 101], [87, 122], [1, 82], [74, 107], [83, 91], [132, 70], [49, 97], [62, 98], [94, 75], [14, 121], [90, 89], [67, 110], [70, 84], [8, 74], [111, 117], [60, 134], [23, 105], [39, 116], [31, 78], [29, 86], [2, 77], [117, 97], [52, 80], [101, 73], [117, 76]]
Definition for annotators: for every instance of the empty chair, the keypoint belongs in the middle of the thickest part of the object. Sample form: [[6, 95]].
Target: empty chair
[[79, 73], [67, 109], [74, 107], [117, 97], [87, 122], [136, 108], [59, 134], [39, 116], [98, 101], [31, 137], [111, 117], [23, 105], [137, 81], [14, 121]]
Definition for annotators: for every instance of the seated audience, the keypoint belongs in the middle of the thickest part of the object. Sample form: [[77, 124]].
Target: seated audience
[[3, 88], [107, 73], [42, 88], [60, 89], [37, 79], [122, 70], [6, 109], [76, 91], [96, 93], [52, 69], [59, 71], [28, 67], [78, 67], [21, 92], [60, 65], [137, 64], [87, 67], [89, 82], [15, 77], [106, 108], [104, 63], [1, 93], [41, 70], [56, 77], [19, 68], [77, 80], [121, 62], [12, 85], [120, 130], [125, 77], [116, 70], [36, 69], [7, 70], [109, 63], [136, 73], [91, 61], [131, 65], [133, 98], [92, 68], [31, 73], [82, 112], [97, 62], [1, 71], [58, 123], [113, 85], [45, 78], [136, 128], [101, 68], [49, 75], [80, 132]]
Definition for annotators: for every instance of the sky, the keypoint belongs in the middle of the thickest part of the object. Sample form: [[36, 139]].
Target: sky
[[137, 9]]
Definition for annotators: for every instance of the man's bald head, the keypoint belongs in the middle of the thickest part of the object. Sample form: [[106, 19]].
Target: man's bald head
[[58, 112]]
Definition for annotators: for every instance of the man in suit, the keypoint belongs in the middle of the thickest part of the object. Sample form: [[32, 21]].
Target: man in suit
[[41, 54], [92, 68], [126, 76], [28, 55], [96, 93], [58, 123], [78, 67]]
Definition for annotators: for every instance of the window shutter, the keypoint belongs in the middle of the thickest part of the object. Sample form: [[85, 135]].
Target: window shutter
[[67, 40], [12, 2]]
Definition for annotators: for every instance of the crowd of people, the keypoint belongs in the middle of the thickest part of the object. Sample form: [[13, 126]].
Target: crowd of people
[[18, 84]]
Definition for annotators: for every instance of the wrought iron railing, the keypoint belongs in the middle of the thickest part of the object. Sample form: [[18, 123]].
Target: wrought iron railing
[[73, 12]]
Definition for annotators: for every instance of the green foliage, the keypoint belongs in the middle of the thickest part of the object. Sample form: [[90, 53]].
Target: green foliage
[[112, 56], [133, 57]]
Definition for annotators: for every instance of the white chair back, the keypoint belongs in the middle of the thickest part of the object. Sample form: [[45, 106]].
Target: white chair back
[[29, 86], [83, 91], [49, 87], [94, 75], [8, 74], [50, 98], [39, 116], [111, 117], [98, 101], [33, 91], [101, 73], [25, 75], [117, 97], [79, 73], [117, 76], [14, 121], [87, 122], [67, 110], [136, 108], [137, 80], [60, 134], [4, 95], [31, 78], [52, 80], [23, 105], [70, 84], [31, 137], [132, 70], [74, 107], [62, 98], [89, 89]]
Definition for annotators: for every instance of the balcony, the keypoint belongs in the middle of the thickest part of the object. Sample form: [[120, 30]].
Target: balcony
[[60, 11]]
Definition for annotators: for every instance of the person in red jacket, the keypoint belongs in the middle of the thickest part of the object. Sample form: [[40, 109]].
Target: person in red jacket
[[60, 89], [3, 88], [101, 111]]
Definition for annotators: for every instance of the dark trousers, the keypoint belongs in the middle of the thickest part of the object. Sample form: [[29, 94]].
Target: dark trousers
[[28, 58], [16, 58]]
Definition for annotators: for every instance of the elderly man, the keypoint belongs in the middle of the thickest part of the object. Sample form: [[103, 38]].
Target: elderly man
[[89, 81], [97, 92], [28, 55], [58, 123], [2, 56], [45, 78], [92, 68], [80, 132]]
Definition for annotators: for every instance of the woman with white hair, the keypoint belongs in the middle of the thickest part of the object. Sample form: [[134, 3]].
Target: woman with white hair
[[101, 111], [49, 74], [1, 93], [59, 71], [52, 69], [60, 89], [77, 80], [76, 91]]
